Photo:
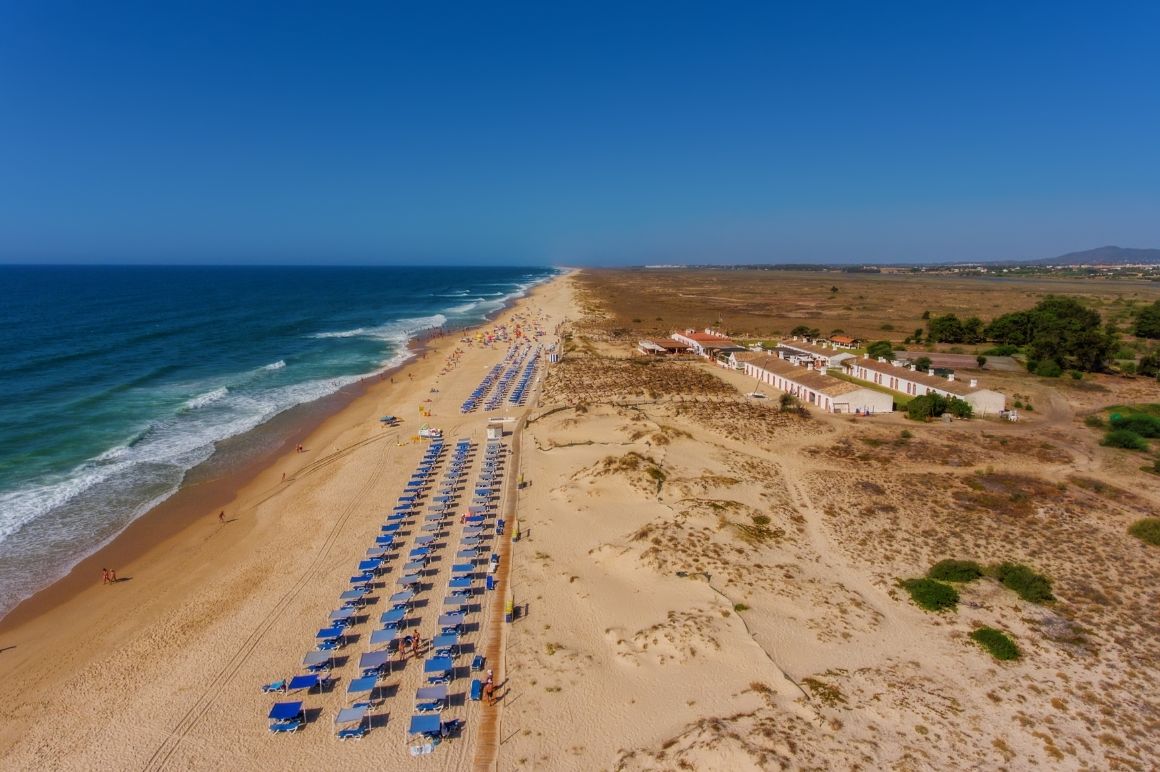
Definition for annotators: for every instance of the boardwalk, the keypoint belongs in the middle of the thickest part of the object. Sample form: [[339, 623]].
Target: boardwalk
[[487, 738]]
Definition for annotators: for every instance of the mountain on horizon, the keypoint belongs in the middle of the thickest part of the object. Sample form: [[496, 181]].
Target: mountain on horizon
[[1103, 256]]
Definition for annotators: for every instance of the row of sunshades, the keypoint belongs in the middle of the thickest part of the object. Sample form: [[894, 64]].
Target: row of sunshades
[[489, 380], [439, 668], [521, 389], [505, 381], [290, 716]]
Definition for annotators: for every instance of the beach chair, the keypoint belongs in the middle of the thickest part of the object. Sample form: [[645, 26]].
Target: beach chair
[[352, 723], [373, 662], [365, 685], [476, 690], [287, 717], [275, 686], [431, 699], [477, 662]]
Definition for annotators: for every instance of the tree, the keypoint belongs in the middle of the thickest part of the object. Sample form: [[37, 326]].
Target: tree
[[1149, 364], [945, 329], [926, 314], [786, 402], [834, 289], [918, 335], [1148, 321], [881, 348], [1013, 329], [1057, 330], [922, 364], [982, 360], [801, 331], [1069, 335], [973, 330]]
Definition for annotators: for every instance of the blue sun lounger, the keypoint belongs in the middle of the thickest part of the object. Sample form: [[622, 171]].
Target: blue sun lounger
[[476, 689], [460, 583], [454, 602], [415, 566], [431, 699], [463, 568], [352, 722], [438, 669], [280, 685], [287, 717], [370, 564], [330, 638], [401, 599], [410, 579], [318, 661], [424, 541], [428, 726], [445, 645]]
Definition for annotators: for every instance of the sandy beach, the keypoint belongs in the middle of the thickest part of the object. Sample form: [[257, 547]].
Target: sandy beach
[[701, 581], [163, 668]]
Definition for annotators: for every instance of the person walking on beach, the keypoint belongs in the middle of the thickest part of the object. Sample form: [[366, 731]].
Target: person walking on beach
[[416, 642], [222, 516], [112, 576], [104, 576]]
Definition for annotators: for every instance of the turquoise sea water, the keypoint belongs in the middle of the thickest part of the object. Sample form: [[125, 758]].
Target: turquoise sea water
[[115, 381]]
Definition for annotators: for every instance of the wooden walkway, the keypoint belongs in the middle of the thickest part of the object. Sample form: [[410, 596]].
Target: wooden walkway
[[487, 737]]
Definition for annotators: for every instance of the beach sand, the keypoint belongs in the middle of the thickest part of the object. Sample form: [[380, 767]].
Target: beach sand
[[702, 581], [163, 669]]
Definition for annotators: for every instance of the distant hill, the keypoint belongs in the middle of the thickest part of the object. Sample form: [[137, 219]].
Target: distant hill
[[1103, 256]]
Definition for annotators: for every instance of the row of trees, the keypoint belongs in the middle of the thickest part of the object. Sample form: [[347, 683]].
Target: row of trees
[[1057, 334]]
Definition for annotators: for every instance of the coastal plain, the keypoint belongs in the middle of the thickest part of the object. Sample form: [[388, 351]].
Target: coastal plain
[[700, 580]]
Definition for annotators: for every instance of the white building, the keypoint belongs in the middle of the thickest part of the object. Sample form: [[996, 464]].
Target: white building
[[909, 381], [814, 387], [828, 355]]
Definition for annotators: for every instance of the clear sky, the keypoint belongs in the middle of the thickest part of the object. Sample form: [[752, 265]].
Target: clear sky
[[585, 133]]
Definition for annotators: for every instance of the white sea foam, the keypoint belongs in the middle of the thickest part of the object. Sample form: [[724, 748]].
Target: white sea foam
[[397, 331], [275, 365], [208, 398]]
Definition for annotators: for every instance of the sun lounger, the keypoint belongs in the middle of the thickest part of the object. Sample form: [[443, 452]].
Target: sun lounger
[[318, 661], [401, 599], [352, 723], [463, 568], [438, 670], [476, 689], [280, 685], [431, 699], [287, 717], [410, 579]]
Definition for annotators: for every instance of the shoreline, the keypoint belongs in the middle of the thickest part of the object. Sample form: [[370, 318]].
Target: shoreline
[[175, 655], [204, 489]]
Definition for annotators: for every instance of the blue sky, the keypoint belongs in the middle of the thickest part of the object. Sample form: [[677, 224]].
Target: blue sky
[[583, 133]]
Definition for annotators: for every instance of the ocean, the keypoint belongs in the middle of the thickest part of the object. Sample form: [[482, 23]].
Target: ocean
[[117, 381]]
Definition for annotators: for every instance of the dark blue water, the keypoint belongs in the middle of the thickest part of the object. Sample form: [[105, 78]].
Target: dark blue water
[[115, 381]]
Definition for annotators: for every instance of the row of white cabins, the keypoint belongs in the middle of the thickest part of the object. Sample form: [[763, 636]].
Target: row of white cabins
[[799, 368]]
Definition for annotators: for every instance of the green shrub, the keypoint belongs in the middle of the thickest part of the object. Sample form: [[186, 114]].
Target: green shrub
[[1076, 375], [1094, 421], [996, 642], [1004, 350], [934, 405], [1124, 438], [932, 595], [1141, 423], [1048, 368], [1147, 530], [1128, 368], [955, 571], [1028, 585], [905, 434]]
